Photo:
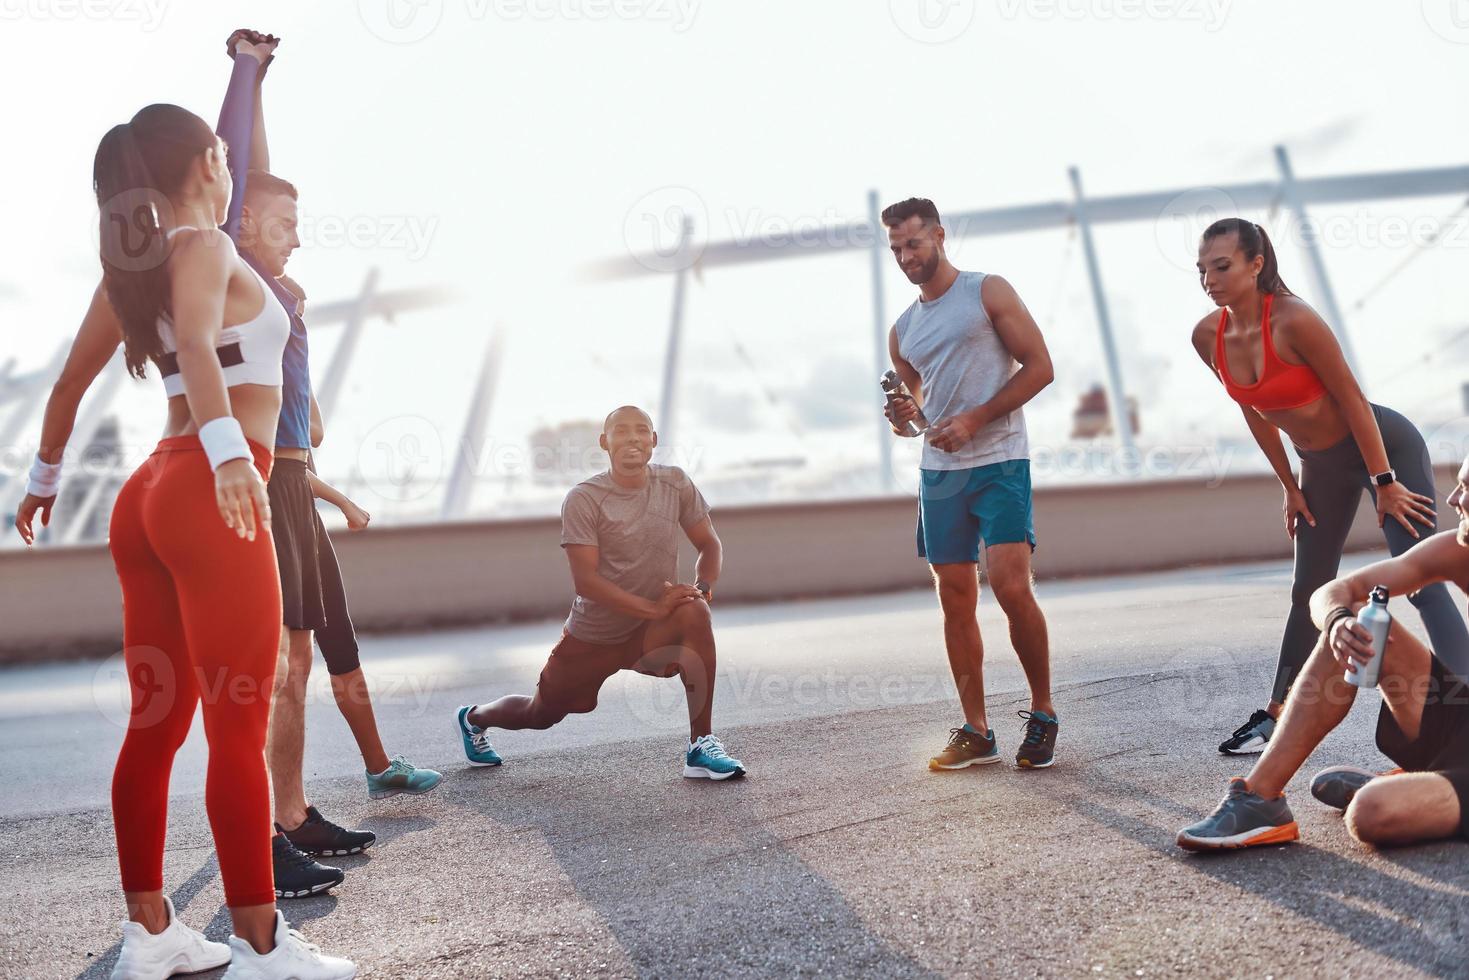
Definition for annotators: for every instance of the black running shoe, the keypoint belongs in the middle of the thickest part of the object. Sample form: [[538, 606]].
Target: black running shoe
[[320, 837], [296, 874], [1038, 748], [1251, 737]]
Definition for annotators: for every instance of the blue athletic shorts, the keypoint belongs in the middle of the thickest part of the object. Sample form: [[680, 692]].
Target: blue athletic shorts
[[957, 509]]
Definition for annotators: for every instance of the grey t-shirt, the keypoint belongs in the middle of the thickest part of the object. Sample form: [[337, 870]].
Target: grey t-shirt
[[637, 533], [962, 363]]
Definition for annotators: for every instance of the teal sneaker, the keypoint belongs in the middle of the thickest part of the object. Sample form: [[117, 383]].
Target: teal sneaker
[[401, 776], [706, 759], [477, 748], [1242, 819]]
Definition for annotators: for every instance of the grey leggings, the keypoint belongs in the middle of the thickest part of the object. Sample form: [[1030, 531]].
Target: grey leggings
[[1332, 481]]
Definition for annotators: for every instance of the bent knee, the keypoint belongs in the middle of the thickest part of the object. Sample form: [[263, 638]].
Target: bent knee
[[1381, 814], [693, 615]]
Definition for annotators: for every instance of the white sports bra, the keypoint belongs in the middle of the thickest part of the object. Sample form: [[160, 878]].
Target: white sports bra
[[250, 352]]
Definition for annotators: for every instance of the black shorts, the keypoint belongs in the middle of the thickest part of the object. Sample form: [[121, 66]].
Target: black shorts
[[1442, 745], [296, 527]]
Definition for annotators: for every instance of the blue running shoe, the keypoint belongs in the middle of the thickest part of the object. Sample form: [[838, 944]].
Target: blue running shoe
[[1242, 819], [476, 743], [401, 776], [706, 759]]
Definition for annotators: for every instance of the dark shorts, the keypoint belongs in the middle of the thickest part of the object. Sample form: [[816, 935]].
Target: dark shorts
[[958, 509], [313, 596], [1442, 745], [576, 671], [296, 527]]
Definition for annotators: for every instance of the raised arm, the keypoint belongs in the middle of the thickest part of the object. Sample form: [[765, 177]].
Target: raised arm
[[237, 117], [96, 341]]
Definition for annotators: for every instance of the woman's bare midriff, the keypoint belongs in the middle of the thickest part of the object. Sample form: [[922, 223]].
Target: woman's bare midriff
[[258, 408], [1319, 425]]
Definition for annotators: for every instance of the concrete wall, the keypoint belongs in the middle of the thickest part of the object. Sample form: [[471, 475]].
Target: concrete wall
[[65, 601]]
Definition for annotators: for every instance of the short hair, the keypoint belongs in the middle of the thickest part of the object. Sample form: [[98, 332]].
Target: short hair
[[895, 214], [260, 183], [624, 408]]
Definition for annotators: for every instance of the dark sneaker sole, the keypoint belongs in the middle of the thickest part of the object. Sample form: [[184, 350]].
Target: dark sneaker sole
[[335, 852], [325, 886], [935, 766], [1283, 834]]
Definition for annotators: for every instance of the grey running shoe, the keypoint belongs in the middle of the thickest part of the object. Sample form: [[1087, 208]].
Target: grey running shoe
[[1338, 785], [1242, 819], [1251, 737]]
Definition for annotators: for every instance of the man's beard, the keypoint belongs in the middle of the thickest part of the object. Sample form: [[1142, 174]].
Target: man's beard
[[926, 271], [1462, 534]]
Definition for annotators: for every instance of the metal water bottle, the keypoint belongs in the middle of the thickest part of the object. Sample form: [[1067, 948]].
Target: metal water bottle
[[1378, 621], [893, 387]]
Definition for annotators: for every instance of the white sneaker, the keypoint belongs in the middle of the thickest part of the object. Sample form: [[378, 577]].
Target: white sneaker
[[177, 949], [292, 959]]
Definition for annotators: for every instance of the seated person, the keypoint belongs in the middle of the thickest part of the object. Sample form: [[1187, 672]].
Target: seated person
[[1423, 726], [620, 531]]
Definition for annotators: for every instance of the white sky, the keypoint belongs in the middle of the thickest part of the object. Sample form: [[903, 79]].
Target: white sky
[[521, 139]]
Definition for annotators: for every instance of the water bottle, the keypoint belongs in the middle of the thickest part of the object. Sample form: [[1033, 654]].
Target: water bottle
[[1378, 621], [893, 387]]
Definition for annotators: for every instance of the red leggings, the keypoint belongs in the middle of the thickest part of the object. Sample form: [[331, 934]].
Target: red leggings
[[201, 622]]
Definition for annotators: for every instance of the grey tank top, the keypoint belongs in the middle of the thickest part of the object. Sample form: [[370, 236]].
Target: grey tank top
[[962, 363]]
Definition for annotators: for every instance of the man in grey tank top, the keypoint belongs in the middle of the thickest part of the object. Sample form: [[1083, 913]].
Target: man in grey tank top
[[972, 356]]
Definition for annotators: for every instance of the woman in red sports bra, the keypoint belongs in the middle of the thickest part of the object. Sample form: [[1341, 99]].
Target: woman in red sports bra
[[1280, 361]]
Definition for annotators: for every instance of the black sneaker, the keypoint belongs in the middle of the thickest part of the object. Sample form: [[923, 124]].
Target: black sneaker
[[320, 837], [1251, 737], [1038, 748], [296, 874]]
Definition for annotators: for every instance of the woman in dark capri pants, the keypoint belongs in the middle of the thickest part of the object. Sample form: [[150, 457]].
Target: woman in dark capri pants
[[1279, 360]]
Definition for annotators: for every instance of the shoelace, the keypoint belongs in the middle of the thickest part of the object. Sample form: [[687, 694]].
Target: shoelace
[[959, 736], [299, 941], [1035, 729], [1250, 725], [711, 747], [296, 856]]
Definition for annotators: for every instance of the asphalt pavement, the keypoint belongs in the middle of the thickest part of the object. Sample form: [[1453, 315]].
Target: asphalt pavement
[[588, 854]]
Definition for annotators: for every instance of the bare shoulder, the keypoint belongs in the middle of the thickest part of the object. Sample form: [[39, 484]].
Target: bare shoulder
[[995, 291], [1293, 318], [1203, 336], [202, 248]]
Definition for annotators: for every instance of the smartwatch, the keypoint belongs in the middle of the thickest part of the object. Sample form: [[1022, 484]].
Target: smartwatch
[[1384, 479]]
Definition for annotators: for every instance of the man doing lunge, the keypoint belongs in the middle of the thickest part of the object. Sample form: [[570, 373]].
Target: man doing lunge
[[621, 530]]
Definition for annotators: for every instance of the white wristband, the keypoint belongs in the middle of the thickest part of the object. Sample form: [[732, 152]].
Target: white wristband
[[45, 478], [223, 441]]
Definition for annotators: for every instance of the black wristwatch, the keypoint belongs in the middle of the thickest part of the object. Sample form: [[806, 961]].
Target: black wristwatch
[[705, 588], [1384, 479]]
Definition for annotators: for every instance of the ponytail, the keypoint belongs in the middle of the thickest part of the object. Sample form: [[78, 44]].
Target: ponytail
[[138, 165], [1253, 242]]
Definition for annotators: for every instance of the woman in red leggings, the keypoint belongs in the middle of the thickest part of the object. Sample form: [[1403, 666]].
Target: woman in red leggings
[[190, 537]]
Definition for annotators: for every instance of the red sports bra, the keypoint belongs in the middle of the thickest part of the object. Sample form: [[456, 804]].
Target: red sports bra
[[1281, 386]]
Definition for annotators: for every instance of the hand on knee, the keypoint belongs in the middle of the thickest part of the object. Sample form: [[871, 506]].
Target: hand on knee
[[692, 616]]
